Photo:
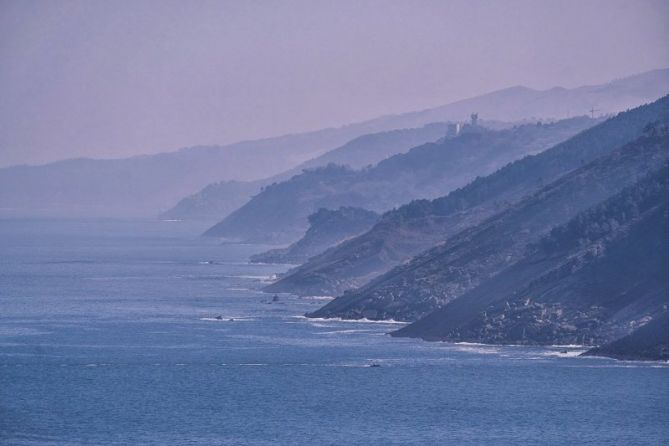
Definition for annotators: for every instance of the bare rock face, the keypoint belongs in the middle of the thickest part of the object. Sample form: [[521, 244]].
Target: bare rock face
[[593, 280], [648, 343], [218, 200], [422, 224], [327, 229], [446, 272], [279, 213]]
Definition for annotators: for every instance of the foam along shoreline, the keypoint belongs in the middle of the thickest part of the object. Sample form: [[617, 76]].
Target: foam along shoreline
[[328, 298], [565, 351], [360, 321]]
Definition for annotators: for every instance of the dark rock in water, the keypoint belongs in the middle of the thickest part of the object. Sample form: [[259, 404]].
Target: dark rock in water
[[219, 317], [648, 343], [375, 365], [564, 352], [231, 320], [275, 298]]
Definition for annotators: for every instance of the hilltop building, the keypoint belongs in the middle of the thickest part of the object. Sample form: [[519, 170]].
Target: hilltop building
[[455, 128]]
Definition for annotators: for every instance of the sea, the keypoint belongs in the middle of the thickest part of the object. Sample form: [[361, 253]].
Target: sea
[[145, 333]]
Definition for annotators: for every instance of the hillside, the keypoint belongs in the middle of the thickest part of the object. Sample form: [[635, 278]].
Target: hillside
[[374, 147], [326, 229], [214, 201], [590, 281], [422, 224], [217, 200], [445, 272], [517, 103], [145, 186], [279, 213], [648, 343]]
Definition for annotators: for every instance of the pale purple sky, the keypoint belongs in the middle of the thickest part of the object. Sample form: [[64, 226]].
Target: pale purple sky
[[117, 78]]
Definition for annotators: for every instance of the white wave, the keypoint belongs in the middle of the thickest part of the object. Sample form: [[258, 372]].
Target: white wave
[[564, 354], [574, 347], [479, 350], [497, 345], [359, 366], [512, 350], [342, 332], [616, 364], [474, 347], [361, 321]]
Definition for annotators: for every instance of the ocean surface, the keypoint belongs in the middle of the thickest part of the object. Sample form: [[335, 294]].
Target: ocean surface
[[109, 336]]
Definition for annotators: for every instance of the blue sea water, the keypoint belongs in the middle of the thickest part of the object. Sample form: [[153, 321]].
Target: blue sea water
[[109, 336]]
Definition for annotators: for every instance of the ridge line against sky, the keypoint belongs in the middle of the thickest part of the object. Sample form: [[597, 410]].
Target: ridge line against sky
[[116, 79], [289, 134]]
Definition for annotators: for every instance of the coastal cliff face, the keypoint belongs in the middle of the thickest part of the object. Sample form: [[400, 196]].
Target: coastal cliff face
[[590, 281], [446, 272], [327, 228], [279, 213], [213, 202], [147, 185], [648, 343], [217, 200], [422, 224]]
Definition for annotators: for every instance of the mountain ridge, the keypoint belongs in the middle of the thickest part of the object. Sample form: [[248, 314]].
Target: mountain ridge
[[421, 224], [327, 228], [147, 185], [218, 200], [590, 281], [279, 212], [445, 272]]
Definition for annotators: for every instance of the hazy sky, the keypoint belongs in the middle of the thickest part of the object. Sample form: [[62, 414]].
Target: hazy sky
[[115, 78]]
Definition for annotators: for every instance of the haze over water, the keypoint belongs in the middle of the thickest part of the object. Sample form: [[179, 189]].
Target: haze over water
[[109, 336], [213, 215]]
